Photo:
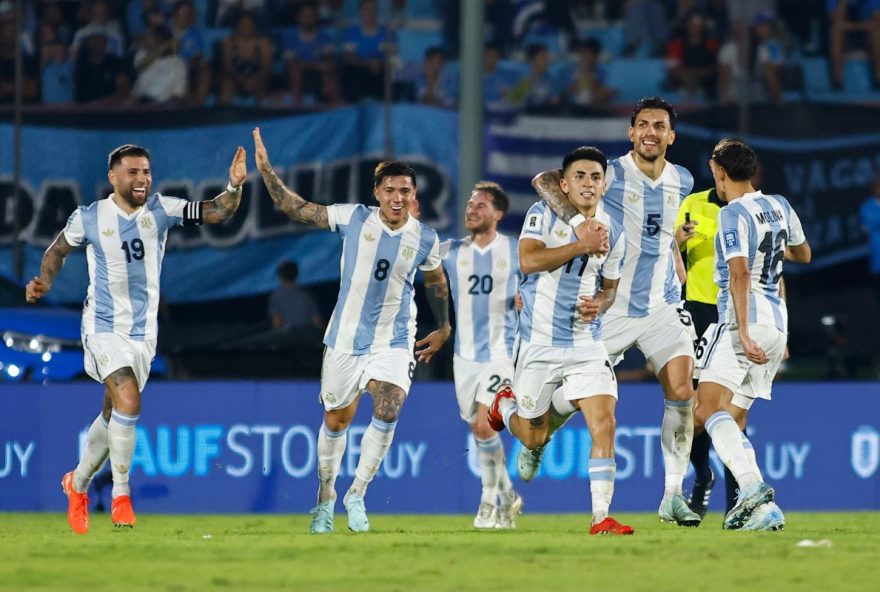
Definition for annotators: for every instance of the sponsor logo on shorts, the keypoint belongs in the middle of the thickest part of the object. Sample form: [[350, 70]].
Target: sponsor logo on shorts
[[731, 239]]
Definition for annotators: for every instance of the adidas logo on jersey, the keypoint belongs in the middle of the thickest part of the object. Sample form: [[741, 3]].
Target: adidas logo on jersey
[[560, 233], [109, 232], [633, 197], [369, 237]]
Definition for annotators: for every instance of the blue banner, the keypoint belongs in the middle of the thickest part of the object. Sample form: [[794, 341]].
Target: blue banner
[[250, 447], [328, 157]]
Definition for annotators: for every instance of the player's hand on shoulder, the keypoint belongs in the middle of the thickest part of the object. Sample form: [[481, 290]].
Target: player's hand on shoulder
[[238, 168], [35, 289], [518, 302], [261, 156]]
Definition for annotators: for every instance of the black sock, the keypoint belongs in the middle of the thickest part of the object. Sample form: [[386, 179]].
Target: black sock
[[700, 457]]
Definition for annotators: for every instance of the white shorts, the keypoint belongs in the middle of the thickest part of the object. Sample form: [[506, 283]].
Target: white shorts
[[343, 376], [105, 353], [583, 371], [661, 336], [723, 362], [477, 382]]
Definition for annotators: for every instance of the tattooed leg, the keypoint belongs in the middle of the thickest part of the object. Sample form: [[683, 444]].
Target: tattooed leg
[[387, 401], [121, 430]]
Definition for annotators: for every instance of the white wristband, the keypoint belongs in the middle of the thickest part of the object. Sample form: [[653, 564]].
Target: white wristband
[[231, 189], [577, 220]]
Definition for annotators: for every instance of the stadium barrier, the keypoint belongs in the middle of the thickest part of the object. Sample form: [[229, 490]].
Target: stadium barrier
[[250, 447]]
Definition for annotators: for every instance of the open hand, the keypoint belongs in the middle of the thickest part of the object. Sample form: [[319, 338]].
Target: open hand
[[260, 154], [238, 168]]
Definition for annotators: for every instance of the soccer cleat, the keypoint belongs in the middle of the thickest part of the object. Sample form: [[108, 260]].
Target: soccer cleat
[[357, 512], [611, 526], [699, 499], [766, 517], [487, 515], [749, 498], [674, 508], [528, 462], [496, 422], [77, 505], [121, 512], [507, 513], [322, 517]]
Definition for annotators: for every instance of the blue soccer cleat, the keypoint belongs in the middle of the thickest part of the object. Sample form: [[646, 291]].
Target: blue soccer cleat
[[357, 512], [322, 517], [749, 498], [766, 517]]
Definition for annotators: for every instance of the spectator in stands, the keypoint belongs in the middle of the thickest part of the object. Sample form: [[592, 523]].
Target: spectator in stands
[[870, 219], [55, 66], [100, 23], [433, 86], [100, 77], [645, 28], [191, 47], [309, 56], [229, 11], [766, 57], [366, 50], [138, 19], [587, 88], [851, 18], [536, 90], [162, 76], [290, 307], [53, 15], [246, 62], [692, 58], [497, 82], [30, 64]]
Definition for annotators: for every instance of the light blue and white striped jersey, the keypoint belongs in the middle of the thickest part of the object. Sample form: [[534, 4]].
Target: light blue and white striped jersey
[[759, 227], [549, 316], [124, 254], [646, 209], [376, 310], [483, 282]]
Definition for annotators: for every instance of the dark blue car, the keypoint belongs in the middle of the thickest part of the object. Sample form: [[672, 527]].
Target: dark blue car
[[41, 342]]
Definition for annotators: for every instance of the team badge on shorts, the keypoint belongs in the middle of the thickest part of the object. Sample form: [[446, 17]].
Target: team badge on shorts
[[330, 398], [731, 239], [104, 359], [528, 403]]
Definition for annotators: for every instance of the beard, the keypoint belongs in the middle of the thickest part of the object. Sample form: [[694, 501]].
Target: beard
[[128, 197], [649, 158]]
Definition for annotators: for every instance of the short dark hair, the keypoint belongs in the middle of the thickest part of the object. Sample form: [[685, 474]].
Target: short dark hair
[[288, 271], [119, 153], [654, 103], [499, 198], [736, 158], [393, 168], [585, 153], [533, 49]]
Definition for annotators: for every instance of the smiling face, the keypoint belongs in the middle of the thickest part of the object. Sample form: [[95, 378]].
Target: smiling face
[[584, 184], [395, 195], [131, 179], [480, 214], [651, 134]]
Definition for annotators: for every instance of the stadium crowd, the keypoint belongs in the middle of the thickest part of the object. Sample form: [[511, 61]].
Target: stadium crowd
[[539, 55]]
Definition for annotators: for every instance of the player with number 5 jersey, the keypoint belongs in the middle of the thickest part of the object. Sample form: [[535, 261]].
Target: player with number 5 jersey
[[484, 279], [741, 354], [371, 335]]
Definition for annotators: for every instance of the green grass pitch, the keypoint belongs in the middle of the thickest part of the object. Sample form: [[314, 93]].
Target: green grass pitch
[[415, 553]]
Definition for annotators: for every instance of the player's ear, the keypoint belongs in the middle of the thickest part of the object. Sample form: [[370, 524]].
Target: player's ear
[[671, 137], [111, 176]]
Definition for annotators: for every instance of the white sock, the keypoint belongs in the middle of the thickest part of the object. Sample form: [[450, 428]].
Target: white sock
[[94, 454], [489, 468], [374, 446], [753, 459], [507, 408], [121, 435], [331, 448], [602, 472], [676, 436], [728, 442]]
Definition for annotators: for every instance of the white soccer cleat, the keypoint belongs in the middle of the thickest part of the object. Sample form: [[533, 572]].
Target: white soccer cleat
[[487, 516], [674, 508], [766, 517], [528, 462], [507, 513]]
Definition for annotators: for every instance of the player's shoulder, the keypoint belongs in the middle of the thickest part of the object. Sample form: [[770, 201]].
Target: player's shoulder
[[426, 232]]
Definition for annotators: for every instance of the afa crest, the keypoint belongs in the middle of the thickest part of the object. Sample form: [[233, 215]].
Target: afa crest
[[146, 223], [501, 264], [408, 253]]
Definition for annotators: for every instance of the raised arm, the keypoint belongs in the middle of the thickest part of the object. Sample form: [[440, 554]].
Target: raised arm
[[221, 208], [53, 261], [437, 290], [287, 200], [594, 234]]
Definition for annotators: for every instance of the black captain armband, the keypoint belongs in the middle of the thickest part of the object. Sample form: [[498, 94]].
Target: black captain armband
[[192, 213]]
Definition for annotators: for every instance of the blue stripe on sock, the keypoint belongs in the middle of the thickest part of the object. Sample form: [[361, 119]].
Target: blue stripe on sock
[[602, 469], [331, 434], [716, 419], [383, 426], [123, 419], [687, 403]]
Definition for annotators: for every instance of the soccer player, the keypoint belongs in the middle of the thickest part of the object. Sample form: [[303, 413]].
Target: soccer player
[[643, 195], [484, 277], [565, 291], [369, 340], [740, 356], [124, 236]]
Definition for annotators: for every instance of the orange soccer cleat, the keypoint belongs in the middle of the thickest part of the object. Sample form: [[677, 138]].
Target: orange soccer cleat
[[496, 422], [77, 505], [121, 512], [611, 526]]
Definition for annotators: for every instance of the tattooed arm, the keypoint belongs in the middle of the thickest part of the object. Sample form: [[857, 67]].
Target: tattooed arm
[[53, 260], [593, 233], [438, 298], [287, 200], [222, 207]]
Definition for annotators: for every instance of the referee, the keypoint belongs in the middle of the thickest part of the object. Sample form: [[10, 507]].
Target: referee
[[697, 222]]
